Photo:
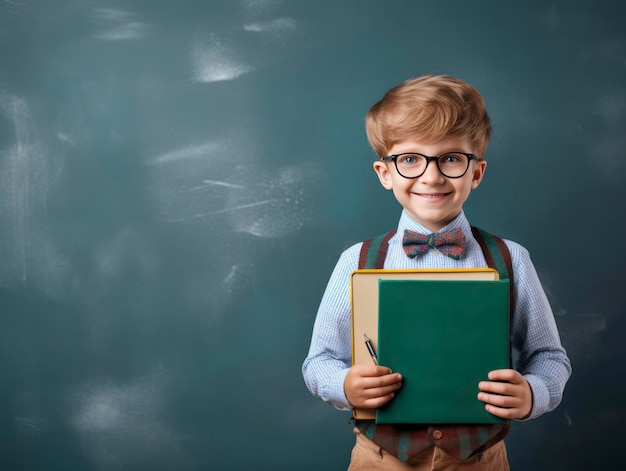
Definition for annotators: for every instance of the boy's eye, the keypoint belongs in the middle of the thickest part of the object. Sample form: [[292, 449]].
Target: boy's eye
[[450, 158], [408, 159]]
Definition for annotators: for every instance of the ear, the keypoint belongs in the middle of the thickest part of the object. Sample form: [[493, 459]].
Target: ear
[[478, 173], [382, 171]]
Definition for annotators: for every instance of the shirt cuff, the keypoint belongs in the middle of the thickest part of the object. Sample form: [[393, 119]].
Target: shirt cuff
[[335, 393], [541, 396]]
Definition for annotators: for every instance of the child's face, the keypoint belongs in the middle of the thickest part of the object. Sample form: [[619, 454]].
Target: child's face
[[432, 199]]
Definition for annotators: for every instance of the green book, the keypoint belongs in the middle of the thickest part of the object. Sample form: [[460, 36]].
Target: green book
[[443, 336]]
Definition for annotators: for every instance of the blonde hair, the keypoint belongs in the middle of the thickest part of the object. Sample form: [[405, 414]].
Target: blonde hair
[[427, 109]]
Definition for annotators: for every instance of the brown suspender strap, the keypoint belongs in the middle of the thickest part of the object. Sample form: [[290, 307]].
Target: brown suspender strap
[[498, 257], [374, 251], [506, 254], [365, 250]]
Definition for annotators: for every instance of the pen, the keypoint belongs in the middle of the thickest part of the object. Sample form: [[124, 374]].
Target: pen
[[370, 348]]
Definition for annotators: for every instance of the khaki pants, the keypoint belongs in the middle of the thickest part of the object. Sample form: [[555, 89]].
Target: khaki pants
[[366, 455]]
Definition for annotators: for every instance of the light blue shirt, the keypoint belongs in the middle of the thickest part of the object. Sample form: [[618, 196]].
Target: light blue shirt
[[534, 335]]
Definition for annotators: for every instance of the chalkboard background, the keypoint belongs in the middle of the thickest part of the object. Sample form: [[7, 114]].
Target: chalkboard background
[[177, 180]]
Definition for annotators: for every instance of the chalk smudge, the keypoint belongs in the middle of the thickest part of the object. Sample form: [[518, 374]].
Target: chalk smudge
[[189, 152], [28, 171], [277, 25], [118, 25], [225, 210], [242, 198], [123, 424], [261, 6], [213, 61], [66, 139], [228, 185]]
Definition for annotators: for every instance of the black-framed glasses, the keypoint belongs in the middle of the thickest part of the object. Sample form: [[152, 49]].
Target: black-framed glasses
[[414, 164]]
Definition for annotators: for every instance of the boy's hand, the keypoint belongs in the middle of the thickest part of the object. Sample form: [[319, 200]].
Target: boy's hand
[[507, 394], [370, 386]]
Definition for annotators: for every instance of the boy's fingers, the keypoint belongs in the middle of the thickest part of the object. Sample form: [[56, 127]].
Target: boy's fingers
[[497, 400], [371, 370], [377, 401], [502, 412], [382, 370], [381, 381], [494, 387], [512, 376], [382, 391]]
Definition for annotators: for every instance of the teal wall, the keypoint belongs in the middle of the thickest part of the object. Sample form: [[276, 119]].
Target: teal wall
[[177, 180]]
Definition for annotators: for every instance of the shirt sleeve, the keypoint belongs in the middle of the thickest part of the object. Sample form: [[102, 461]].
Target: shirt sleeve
[[330, 354], [542, 359]]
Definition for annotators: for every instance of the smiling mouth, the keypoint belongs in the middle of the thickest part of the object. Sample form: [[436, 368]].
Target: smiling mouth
[[433, 196]]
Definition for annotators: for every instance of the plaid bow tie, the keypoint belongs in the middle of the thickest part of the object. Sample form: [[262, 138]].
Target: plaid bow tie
[[450, 243]]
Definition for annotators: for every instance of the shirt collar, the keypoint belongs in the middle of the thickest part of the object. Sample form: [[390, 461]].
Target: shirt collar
[[407, 222]]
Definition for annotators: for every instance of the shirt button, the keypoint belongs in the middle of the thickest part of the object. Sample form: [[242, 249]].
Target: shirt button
[[437, 434]]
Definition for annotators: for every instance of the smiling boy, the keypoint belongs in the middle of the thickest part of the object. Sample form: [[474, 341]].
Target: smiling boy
[[430, 134], [429, 197]]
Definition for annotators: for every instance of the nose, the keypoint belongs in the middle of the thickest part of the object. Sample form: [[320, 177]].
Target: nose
[[432, 174]]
